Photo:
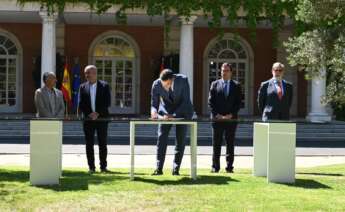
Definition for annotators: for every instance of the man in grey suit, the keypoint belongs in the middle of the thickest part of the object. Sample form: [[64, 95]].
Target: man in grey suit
[[170, 98], [275, 96], [49, 100]]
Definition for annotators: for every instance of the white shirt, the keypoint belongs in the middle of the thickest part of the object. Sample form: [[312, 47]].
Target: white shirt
[[225, 81], [276, 85], [52, 98], [93, 90]]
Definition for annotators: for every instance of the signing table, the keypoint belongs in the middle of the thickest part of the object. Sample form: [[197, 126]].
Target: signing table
[[193, 140]]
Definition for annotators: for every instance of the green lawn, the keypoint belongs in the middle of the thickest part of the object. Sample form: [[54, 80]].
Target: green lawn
[[316, 189]]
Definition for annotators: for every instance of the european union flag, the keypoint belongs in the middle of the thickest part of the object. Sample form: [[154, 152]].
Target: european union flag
[[75, 86]]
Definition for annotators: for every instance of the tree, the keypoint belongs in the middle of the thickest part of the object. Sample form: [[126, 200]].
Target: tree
[[320, 45]]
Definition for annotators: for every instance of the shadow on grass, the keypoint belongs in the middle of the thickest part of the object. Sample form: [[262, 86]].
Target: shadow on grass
[[322, 174], [201, 180], [70, 181], [14, 176], [3, 191], [308, 184]]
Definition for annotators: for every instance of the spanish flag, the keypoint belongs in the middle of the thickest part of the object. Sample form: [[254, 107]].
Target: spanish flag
[[66, 87]]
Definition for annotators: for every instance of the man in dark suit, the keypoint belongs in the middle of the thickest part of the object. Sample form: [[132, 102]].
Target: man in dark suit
[[170, 98], [93, 103], [225, 102], [275, 96]]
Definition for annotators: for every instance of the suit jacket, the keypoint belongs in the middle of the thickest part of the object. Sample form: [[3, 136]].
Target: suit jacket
[[103, 99], [219, 104], [269, 103], [180, 105], [44, 106]]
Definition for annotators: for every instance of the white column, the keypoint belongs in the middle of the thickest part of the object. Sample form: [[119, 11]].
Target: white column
[[187, 50], [48, 58], [318, 112]]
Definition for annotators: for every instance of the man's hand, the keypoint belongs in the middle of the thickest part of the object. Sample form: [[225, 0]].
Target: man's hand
[[154, 115], [168, 116], [228, 116], [93, 115]]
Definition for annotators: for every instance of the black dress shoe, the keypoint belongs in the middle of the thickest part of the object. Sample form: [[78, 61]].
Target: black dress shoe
[[92, 171], [213, 170], [229, 170], [105, 171], [176, 173], [157, 172]]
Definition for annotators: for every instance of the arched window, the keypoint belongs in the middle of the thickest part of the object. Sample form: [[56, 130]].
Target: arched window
[[115, 58], [234, 52], [114, 46], [8, 73]]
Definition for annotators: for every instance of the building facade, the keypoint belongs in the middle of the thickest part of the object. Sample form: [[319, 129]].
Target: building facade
[[129, 56]]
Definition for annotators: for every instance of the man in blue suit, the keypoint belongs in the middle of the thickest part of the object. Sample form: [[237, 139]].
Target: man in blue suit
[[170, 98], [225, 102], [275, 96]]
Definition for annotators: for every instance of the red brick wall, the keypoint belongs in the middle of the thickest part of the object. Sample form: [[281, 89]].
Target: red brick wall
[[264, 56], [302, 95], [78, 39], [29, 36]]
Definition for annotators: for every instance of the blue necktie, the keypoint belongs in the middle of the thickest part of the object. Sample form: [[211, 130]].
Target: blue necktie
[[226, 88], [171, 97]]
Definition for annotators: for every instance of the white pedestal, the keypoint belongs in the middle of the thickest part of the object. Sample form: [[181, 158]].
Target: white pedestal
[[260, 146], [274, 151], [45, 152], [193, 142]]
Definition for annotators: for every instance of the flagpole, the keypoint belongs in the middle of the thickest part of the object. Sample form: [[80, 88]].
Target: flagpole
[[66, 87], [66, 108], [64, 73], [78, 99]]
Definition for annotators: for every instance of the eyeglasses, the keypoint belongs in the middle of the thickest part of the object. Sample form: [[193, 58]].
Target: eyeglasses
[[278, 70]]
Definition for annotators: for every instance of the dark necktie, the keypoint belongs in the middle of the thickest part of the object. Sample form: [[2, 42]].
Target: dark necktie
[[170, 94], [226, 88]]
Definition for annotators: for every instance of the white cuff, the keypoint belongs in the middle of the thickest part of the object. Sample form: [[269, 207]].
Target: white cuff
[[153, 110]]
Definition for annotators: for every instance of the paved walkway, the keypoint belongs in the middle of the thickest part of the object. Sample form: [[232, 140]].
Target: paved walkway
[[148, 161], [74, 156]]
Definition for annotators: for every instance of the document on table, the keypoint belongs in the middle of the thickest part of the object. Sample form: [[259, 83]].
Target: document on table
[[160, 118]]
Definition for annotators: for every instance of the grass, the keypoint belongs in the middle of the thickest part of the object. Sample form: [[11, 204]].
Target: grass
[[316, 189]]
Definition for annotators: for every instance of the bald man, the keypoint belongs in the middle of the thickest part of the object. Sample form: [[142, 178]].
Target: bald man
[[49, 100], [94, 103]]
